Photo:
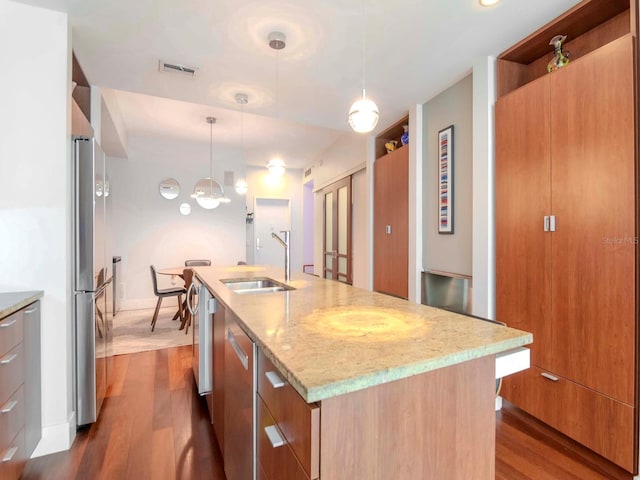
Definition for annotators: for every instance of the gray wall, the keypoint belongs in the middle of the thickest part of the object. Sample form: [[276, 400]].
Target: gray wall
[[449, 253]]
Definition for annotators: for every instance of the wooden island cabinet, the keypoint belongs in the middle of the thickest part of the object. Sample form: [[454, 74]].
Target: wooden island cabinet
[[566, 226], [341, 383]]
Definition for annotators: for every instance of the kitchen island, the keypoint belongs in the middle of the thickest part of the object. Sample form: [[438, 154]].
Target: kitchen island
[[395, 389]]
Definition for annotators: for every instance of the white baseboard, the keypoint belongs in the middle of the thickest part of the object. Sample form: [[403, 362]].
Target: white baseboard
[[56, 438]]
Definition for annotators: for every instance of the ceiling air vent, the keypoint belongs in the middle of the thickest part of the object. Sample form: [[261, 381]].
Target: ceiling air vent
[[176, 68]]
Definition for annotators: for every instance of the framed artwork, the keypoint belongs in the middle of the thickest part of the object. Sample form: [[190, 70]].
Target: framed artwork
[[445, 180]]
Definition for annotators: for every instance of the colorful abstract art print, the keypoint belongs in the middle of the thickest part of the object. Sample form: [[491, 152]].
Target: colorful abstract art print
[[445, 180]]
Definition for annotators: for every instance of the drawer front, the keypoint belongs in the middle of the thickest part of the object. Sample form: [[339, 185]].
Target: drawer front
[[11, 372], [11, 418], [571, 409], [13, 458], [275, 462], [298, 420], [11, 331]]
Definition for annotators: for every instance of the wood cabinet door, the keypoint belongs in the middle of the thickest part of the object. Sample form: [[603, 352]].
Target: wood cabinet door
[[593, 192], [391, 223], [523, 199]]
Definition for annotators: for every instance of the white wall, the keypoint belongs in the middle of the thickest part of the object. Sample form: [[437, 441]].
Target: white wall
[[35, 201], [148, 229], [449, 253], [289, 186]]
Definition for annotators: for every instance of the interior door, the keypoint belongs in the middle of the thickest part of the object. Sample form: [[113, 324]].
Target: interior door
[[337, 255], [270, 215]]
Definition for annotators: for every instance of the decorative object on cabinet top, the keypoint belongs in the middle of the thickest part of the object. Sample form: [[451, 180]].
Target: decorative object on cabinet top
[[391, 145], [560, 58], [11, 302]]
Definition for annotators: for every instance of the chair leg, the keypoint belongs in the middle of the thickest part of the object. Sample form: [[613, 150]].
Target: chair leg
[[180, 311], [155, 314]]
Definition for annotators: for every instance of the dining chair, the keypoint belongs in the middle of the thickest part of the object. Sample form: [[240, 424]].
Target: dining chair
[[166, 292], [197, 263]]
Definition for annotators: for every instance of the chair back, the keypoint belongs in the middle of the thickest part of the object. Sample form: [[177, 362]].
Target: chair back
[[197, 263], [154, 279], [241, 262]]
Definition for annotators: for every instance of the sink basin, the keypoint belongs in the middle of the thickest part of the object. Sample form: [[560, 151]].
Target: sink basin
[[255, 285]]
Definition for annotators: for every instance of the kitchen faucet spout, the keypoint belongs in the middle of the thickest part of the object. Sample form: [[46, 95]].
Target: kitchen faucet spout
[[285, 243]]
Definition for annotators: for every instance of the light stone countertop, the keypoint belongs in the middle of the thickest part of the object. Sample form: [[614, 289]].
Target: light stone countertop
[[328, 338], [11, 302]]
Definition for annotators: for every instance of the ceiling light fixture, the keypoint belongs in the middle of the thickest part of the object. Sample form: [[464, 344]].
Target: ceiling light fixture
[[363, 114], [208, 192], [489, 3], [242, 99], [277, 41]]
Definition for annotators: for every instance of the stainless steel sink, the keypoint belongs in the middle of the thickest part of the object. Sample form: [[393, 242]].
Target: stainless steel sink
[[255, 285]]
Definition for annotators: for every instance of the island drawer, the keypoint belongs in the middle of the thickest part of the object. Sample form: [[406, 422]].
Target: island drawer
[[276, 461], [13, 458], [11, 331], [11, 418], [11, 372], [298, 420]]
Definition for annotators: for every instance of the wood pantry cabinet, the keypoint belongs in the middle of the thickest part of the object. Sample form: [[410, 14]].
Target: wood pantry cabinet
[[566, 250], [391, 215]]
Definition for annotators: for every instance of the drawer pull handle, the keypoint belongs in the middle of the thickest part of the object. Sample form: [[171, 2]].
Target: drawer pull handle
[[553, 378], [9, 323], [8, 359], [9, 406], [275, 380], [31, 310], [9, 455], [274, 436], [243, 357]]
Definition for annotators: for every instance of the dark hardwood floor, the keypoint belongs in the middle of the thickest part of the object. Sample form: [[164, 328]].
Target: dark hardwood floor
[[155, 426]]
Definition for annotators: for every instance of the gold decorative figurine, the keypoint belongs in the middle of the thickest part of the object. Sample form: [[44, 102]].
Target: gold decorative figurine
[[560, 58]]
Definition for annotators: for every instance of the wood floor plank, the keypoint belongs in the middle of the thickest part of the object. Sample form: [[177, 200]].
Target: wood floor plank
[[162, 455], [120, 366], [176, 370]]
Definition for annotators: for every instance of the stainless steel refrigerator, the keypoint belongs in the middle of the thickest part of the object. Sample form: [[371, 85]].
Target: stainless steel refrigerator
[[91, 280]]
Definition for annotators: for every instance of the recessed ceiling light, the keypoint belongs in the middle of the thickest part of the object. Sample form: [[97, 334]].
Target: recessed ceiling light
[[489, 3]]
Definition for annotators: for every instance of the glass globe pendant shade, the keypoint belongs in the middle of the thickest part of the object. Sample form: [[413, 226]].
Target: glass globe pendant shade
[[363, 115], [208, 193], [241, 187], [276, 167]]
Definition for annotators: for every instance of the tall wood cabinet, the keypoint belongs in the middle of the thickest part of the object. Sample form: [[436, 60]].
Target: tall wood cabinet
[[566, 241], [391, 215]]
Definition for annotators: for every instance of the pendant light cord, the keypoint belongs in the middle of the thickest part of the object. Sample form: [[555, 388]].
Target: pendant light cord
[[364, 46], [277, 103], [211, 156]]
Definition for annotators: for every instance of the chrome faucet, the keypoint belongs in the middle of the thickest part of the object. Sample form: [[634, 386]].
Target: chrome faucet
[[285, 244]]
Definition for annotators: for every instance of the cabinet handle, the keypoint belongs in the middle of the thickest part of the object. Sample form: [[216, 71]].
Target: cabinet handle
[[9, 406], [275, 380], [553, 378], [8, 359], [9, 323], [243, 357], [31, 310], [274, 436], [552, 223], [546, 223], [9, 455], [387, 229]]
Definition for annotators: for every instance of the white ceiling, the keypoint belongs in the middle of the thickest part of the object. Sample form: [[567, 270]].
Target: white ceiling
[[414, 50]]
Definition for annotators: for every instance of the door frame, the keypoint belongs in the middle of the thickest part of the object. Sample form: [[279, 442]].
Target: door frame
[[334, 188]]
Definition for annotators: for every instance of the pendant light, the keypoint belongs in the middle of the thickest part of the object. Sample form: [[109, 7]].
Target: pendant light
[[242, 99], [208, 192], [363, 114], [277, 41]]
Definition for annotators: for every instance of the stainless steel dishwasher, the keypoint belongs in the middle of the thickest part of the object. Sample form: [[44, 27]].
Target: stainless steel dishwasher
[[240, 403]]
